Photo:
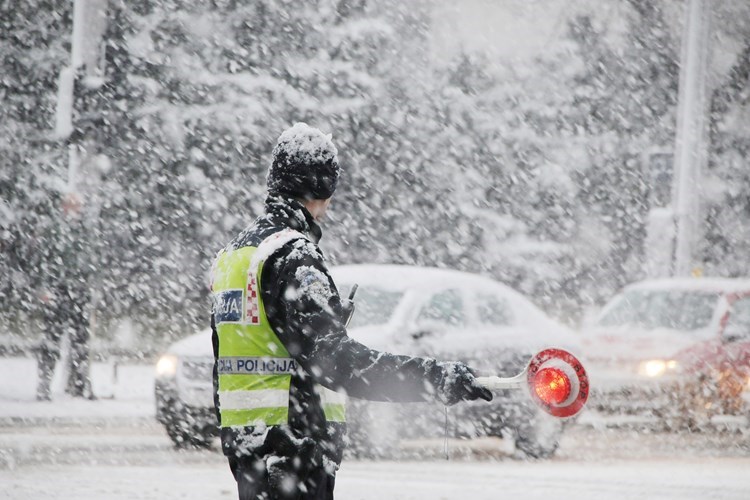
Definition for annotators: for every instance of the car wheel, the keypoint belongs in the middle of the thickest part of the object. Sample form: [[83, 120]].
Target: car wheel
[[534, 433], [538, 435], [540, 440], [184, 430]]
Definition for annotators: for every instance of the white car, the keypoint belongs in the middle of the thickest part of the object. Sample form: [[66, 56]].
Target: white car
[[184, 391], [671, 349], [441, 313], [450, 315]]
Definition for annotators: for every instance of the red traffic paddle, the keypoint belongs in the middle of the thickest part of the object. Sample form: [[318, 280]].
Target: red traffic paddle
[[555, 379]]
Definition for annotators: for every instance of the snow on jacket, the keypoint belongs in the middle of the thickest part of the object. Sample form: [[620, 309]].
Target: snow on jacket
[[305, 311]]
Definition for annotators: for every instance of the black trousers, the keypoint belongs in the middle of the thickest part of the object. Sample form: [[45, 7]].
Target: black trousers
[[276, 478]]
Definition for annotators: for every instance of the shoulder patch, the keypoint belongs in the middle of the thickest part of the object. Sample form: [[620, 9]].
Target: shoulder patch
[[228, 306], [313, 285]]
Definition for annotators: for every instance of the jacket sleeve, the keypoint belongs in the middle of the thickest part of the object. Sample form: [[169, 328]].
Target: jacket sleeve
[[305, 310]]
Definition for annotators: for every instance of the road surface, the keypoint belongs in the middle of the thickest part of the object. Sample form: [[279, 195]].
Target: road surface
[[80, 460]]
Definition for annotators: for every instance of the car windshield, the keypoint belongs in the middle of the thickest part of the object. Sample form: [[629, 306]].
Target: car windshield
[[650, 309], [374, 305]]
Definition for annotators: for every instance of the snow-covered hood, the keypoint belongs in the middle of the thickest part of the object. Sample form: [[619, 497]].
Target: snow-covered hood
[[633, 344], [465, 342], [197, 345], [513, 337], [378, 337]]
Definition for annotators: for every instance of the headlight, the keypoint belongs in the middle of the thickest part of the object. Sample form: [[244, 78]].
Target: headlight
[[656, 367], [166, 366]]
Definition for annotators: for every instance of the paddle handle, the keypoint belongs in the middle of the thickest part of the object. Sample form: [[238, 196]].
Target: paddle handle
[[498, 383]]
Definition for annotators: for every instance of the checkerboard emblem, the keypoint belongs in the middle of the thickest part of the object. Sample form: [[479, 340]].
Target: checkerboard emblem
[[252, 306]]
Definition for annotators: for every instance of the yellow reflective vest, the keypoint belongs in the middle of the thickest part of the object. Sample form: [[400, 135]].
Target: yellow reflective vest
[[253, 366]]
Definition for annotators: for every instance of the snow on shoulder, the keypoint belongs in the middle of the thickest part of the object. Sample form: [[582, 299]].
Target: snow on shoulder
[[306, 145], [272, 244]]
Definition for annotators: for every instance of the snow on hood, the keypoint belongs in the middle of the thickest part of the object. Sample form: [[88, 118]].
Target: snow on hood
[[718, 285], [633, 344], [195, 345], [378, 337], [399, 277], [518, 338], [474, 342]]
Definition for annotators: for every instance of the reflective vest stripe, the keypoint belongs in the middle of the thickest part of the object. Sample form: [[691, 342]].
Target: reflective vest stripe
[[253, 382], [335, 413], [251, 400], [260, 416], [328, 396], [334, 404]]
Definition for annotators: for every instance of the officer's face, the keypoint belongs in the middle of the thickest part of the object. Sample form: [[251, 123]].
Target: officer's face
[[318, 208]]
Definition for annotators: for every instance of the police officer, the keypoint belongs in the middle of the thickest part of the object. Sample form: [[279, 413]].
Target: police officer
[[283, 360]]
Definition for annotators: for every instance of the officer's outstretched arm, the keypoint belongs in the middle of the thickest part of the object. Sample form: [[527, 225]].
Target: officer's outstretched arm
[[311, 326]]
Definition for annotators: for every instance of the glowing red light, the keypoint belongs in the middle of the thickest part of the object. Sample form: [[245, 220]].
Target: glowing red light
[[559, 392], [552, 385]]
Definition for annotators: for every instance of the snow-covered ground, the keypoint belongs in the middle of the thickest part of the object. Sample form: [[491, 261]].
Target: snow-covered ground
[[113, 448], [83, 462], [76, 462], [124, 391], [647, 479], [544, 480]]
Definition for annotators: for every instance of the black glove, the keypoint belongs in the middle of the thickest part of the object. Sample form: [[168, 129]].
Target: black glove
[[459, 384]]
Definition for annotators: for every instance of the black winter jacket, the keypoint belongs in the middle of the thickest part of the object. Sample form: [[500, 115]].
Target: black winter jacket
[[305, 310]]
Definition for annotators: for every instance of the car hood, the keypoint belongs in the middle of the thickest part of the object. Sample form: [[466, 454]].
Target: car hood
[[378, 337], [197, 345], [701, 355], [474, 341], [711, 355], [633, 344]]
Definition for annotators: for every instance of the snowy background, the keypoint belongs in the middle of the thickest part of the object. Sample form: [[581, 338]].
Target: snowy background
[[514, 139], [530, 141]]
